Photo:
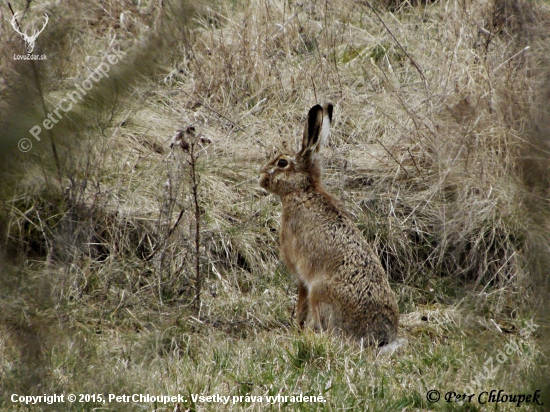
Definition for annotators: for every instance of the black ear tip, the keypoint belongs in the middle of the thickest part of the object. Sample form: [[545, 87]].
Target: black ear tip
[[329, 107], [314, 117], [315, 109]]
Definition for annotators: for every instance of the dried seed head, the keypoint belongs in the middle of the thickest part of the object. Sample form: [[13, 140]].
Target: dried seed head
[[178, 140]]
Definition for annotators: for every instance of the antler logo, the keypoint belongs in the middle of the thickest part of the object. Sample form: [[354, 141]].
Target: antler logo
[[29, 40]]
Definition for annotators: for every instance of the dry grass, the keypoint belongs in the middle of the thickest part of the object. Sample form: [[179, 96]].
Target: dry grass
[[439, 150]]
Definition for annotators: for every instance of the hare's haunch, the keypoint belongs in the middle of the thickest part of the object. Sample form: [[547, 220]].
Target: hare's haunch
[[342, 285]]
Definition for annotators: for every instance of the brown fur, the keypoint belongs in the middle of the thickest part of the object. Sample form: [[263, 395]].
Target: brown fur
[[342, 285]]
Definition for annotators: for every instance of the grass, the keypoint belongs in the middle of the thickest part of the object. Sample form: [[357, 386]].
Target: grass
[[438, 150]]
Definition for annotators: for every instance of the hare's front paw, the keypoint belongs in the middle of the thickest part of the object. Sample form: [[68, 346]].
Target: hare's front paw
[[302, 318], [302, 307]]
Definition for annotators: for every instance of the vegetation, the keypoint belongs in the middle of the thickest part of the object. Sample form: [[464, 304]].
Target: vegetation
[[130, 267]]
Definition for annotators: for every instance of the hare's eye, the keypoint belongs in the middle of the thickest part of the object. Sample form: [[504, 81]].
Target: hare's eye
[[282, 163]]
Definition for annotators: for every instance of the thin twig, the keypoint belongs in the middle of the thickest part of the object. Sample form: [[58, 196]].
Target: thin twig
[[415, 64], [393, 157], [170, 231], [195, 183], [511, 58], [415, 165], [214, 111]]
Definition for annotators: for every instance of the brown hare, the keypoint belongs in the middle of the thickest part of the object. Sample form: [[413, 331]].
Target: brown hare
[[342, 285]]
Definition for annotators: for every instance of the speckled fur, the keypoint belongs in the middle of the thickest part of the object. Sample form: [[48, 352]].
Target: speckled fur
[[342, 285]]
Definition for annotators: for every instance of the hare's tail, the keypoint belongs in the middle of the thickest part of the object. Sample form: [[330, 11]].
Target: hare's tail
[[394, 345]]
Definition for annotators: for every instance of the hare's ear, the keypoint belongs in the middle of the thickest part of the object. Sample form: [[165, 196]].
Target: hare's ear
[[317, 129], [325, 128]]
